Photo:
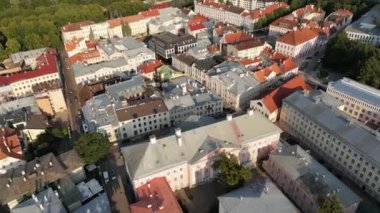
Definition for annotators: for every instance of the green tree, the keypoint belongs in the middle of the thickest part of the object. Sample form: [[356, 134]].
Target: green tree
[[92, 147], [3, 53], [127, 31], [33, 41], [331, 205], [60, 133], [231, 172], [13, 46]]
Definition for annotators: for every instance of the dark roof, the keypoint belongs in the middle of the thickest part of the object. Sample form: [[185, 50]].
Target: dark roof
[[37, 121], [208, 63], [234, 9], [167, 40], [142, 108], [187, 59]]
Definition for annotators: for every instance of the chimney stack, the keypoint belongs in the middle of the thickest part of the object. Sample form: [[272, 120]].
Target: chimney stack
[[229, 117], [178, 135], [250, 112], [152, 139]]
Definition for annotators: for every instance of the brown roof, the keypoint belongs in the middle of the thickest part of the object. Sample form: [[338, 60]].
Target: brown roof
[[35, 181], [133, 18], [284, 22], [142, 108], [9, 139], [46, 86], [88, 92], [236, 10], [76, 26], [298, 36], [249, 44]]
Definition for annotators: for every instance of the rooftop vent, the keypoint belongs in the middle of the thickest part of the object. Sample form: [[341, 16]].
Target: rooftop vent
[[152, 139], [229, 117]]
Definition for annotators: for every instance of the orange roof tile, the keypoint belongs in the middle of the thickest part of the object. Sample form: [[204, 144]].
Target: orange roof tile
[[156, 196], [133, 18], [288, 64], [298, 36], [115, 22], [72, 44], [263, 74], [238, 36], [285, 22], [9, 139], [212, 3], [150, 13], [251, 43], [259, 13], [273, 100], [150, 66], [343, 12], [84, 56], [75, 26], [159, 6]]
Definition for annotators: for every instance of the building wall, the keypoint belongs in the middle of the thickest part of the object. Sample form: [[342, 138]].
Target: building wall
[[136, 61], [364, 38], [24, 87], [44, 104], [277, 31], [299, 51], [357, 108], [258, 106], [341, 156], [101, 73], [179, 65]]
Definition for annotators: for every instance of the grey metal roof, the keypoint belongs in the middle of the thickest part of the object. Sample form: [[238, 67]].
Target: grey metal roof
[[20, 56], [99, 204], [46, 198], [202, 98], [195, 121], [19, 103], [145, 158], [367, 23], [337, 123], [114, 45], [310, 175], [260, 195], [81, 69], [133, 85], [133, 53], [357, 90], [178, 102]]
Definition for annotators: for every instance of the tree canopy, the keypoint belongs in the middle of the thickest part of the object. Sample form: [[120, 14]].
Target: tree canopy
[[49, 140], [355, 59], [230, 170], [30, 24], [331, 205], [92, 147]]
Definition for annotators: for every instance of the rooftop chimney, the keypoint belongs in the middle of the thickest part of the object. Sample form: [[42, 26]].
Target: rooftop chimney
[[250, 112], [229, 117], [149, 206], [8, 185], [34, 197], [41, 206], [178, 135], [152, 139], [50, 163]]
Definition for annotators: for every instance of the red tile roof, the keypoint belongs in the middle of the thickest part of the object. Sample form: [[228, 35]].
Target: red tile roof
[[150, 13], [259, 13], [46, 64], [159, 6], [156, 196], [263, 74], [196, 23], [150, 66], [133, 18], [75, 26], [238, 36], [115, 22], [308, 9], [298, 36], [214, 4], [251, 43], [213, 48], [72, 44], [9, 139], [221, 28], [84, 56], [288, 64], [196, 27], [273, 100]]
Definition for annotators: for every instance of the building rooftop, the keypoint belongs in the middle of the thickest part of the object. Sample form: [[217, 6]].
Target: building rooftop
[[35, 175], [312, 176], [100, 204], [80, 69], [141, 108], [260, 195], [113, 45], [286, 22], [317, 107], [236, 10], [273, 100], [149, 66], [44, 64], [236, 37], [208, 63], [195, 121], [148, 158], [357, 90], [261, 12], [367, 23], [297, 37], [45, 201], [120, 90], [10, 145], [185, 58], [76, 26], [162, 200], [168, 40]]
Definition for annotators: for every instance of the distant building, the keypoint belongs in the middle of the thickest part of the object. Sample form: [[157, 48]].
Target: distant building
[[183, 63], [155, 196], [247, 49], [348, 146], [166, 44], [283, 25], [306, 181], [259, 195], [366, 28], [270, 104], [185, 158], [149, 69], [360, 101], [341, 18]]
